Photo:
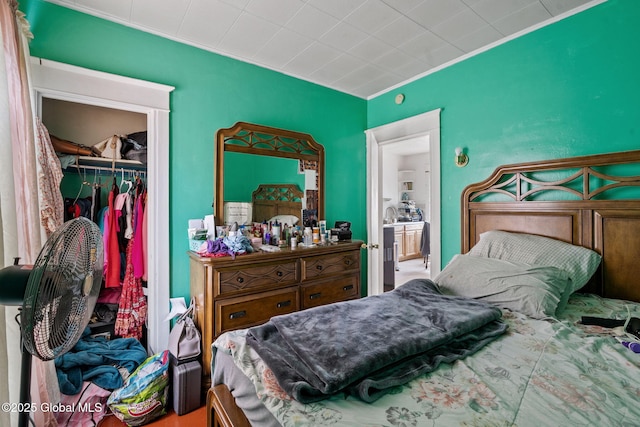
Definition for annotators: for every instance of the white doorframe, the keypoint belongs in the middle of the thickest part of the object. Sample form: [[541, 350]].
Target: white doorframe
[[70, 83], [413, 127]]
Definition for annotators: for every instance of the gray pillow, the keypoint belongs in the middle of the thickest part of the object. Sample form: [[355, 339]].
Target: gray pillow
[[529, 289], [580, 263]]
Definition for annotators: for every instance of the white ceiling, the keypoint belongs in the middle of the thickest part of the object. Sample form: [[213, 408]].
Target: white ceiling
[[360, 47]]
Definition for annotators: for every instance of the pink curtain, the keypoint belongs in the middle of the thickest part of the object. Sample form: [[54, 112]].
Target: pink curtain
[[20, 181], [22, 132]]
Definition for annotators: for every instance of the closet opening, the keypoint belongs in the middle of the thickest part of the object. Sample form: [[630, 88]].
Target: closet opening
[[147, 105], [103, 155]]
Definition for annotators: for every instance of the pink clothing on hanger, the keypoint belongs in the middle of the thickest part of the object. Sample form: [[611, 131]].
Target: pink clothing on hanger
[[112, 251], [145, 259], [138, 254]]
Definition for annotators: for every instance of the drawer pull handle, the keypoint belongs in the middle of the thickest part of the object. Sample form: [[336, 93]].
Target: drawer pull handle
[[279, 273], [240, 279], [318, 267], [316, 295], [348, 262], [238, 314], [284, 304], [347, 288]]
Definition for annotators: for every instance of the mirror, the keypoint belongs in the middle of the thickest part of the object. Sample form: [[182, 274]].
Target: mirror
[[249, 155]]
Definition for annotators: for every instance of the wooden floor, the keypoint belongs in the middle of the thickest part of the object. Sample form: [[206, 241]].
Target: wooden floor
[[195, 418]]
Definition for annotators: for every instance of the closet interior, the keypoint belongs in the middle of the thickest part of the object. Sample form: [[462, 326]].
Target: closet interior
[[109, 189]]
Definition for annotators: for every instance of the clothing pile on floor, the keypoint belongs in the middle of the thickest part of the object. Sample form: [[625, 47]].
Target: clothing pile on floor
[[93, 368]]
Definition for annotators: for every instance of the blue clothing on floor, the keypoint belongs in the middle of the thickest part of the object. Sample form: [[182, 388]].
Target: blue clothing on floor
[[97, 359]]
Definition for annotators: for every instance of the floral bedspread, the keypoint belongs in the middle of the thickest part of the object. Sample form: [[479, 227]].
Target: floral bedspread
[[541, 373]]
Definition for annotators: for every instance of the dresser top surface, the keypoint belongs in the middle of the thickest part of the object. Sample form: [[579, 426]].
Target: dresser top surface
[[283, 253]]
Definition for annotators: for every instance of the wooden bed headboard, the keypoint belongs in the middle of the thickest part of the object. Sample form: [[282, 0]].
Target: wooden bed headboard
[[591, 201], [270, 200]]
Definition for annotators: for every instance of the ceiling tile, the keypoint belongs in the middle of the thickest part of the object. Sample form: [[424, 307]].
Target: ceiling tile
[[312, 22], [524, 18], [160, 16], [282, 48], [494, 10], [399, 31], [276, 11], [430, 13], [337, 8], [359, 76], [443, 55], [308, 61], [371, 16], [412, 69], [117, 8], [247, 35], [482, 37], [343, 37], [393, 59], [378, 84], [557, 7], [197, 27], [403, 6], [420, 46], [238, 4], [339, 67], [370, 49], [458, 26]]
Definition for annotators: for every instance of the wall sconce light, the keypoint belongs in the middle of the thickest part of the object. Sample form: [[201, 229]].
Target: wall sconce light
[[461, 158]]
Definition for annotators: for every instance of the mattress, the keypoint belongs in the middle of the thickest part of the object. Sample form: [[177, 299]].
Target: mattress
[[542, 372]]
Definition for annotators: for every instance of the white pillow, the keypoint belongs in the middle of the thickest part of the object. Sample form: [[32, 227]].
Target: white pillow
[[285, 219], [579, 262], [529, 289]]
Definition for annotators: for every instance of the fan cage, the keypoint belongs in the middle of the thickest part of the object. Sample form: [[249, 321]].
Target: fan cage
[[62, 289]]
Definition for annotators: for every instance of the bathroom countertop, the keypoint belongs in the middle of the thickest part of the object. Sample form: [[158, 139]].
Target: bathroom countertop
[[402, 223]]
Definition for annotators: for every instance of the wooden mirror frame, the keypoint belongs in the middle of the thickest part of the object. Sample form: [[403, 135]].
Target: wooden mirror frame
[[251, 138]]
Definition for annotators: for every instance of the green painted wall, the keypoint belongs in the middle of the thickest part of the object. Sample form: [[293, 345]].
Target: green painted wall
[[568, 89], [212, 92]]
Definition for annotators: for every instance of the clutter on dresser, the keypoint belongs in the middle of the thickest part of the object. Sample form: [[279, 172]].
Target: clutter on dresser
[[273, 235], [341, 231]]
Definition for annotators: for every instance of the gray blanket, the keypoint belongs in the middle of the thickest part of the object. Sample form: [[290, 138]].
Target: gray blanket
[[368, 346]]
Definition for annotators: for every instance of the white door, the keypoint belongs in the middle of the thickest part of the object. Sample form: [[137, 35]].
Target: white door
[[406, 129]]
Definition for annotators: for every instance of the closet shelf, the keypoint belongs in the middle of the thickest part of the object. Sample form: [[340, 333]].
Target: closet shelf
[[101, 163]]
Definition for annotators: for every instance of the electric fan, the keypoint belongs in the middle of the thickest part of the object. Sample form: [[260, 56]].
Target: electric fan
[[57, 294]]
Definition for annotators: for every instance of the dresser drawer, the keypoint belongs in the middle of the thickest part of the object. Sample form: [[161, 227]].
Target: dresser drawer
[[327, 265], [330, 291], [269, 275], [242, 312]]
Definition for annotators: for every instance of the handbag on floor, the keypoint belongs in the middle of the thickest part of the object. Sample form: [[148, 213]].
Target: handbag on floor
[[184, 338]]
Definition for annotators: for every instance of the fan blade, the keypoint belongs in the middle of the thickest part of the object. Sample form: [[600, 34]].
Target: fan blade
[[62, 289]]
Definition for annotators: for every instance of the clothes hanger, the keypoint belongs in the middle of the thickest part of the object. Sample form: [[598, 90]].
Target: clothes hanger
[[83, 183], [125, 181]]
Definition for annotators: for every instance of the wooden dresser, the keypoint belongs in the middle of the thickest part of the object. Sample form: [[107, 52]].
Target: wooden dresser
[[233, 294]]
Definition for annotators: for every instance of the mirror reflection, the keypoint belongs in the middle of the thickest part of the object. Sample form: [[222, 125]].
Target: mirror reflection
[[245, 172], [250, 156]]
